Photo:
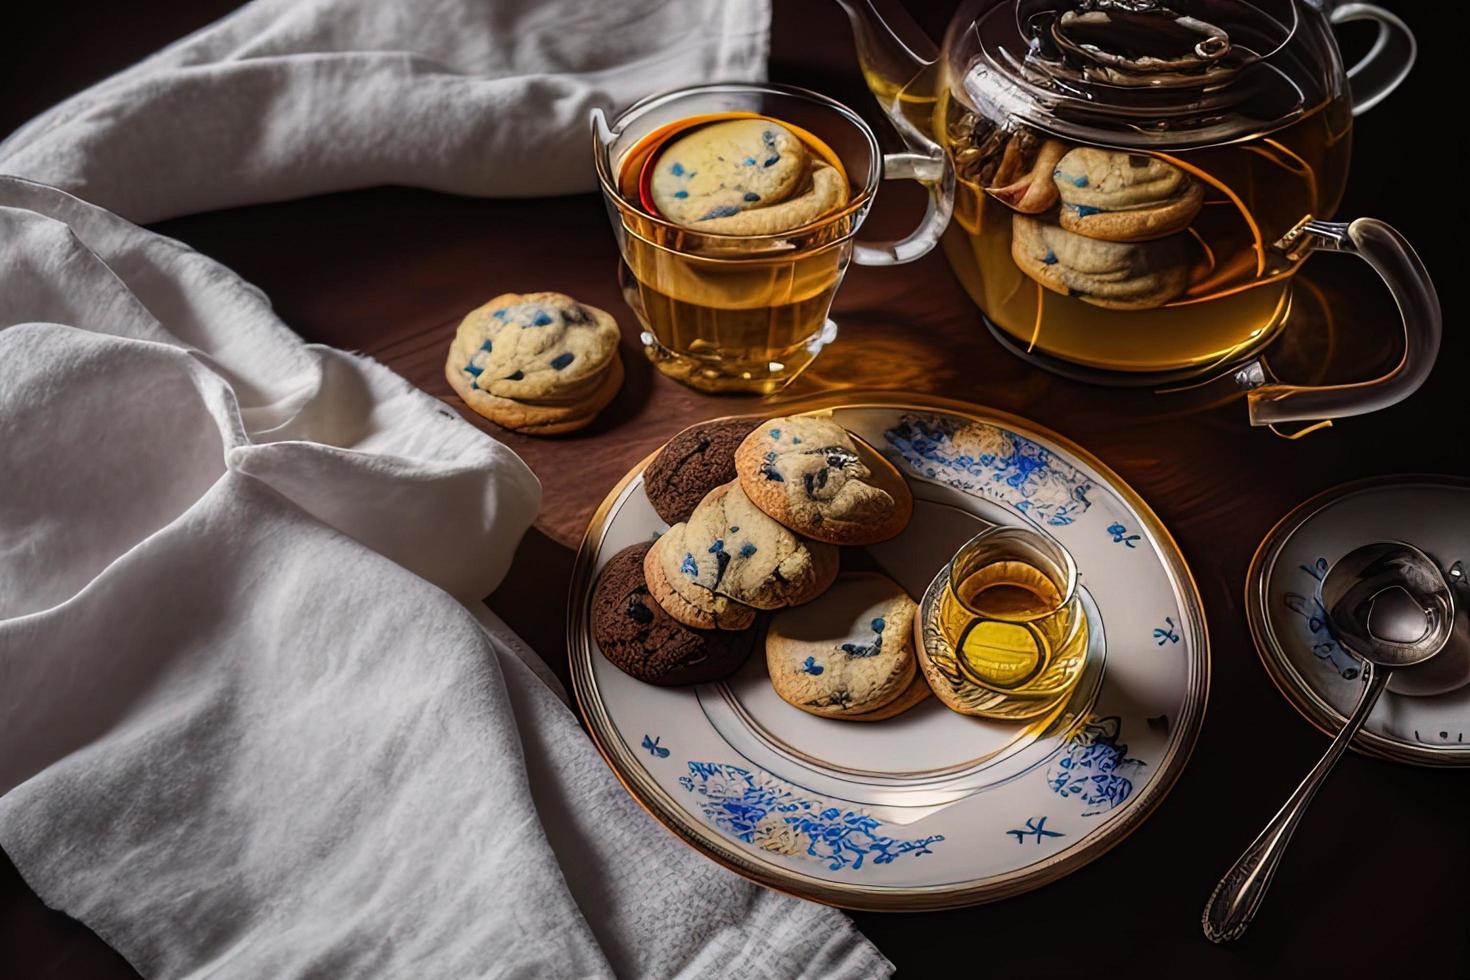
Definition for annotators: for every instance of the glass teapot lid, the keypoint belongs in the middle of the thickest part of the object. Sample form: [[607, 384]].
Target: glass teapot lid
[[1143, 73]]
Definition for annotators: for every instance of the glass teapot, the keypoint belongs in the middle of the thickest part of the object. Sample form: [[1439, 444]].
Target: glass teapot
[[1137, 181]]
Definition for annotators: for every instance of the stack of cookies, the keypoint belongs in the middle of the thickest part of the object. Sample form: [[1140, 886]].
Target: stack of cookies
[[1105, 226], [757, 512], [635, 633], [539, 363], [730, 559]]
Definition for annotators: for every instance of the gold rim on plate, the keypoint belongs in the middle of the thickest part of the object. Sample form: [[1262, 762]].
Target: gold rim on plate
[[631, 773]]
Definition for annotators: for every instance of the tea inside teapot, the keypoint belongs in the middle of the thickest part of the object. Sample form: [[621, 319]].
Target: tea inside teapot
[[1123, 168], [1137, 181]]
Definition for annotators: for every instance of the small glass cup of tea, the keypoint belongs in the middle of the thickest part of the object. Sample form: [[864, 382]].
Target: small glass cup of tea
[[1004, 626], [747, 313]]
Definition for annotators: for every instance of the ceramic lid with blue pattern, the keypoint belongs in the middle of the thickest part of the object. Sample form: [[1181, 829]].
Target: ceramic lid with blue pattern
[[1424, 717], [930, 809]]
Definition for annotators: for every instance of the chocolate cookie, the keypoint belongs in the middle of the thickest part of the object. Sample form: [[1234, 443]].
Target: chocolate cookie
[[694, 462], [640, 639]]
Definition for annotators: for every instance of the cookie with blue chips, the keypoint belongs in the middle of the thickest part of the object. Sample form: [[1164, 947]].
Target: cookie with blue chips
[[730, 559], [813, 476], [744, 177], [1124, 197], [540, 363], [1113, 275], [687, 593], [850, 653], [724, 168], [635, 633]]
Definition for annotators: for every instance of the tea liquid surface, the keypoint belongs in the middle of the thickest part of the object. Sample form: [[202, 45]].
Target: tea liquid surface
[[1011, 632]]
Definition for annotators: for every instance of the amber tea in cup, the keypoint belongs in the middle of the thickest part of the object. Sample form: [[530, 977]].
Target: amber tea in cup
[[729, 312], [732, 317], [1013, 618]]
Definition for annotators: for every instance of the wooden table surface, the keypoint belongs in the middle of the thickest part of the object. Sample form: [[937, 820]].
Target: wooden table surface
[[389, 272]]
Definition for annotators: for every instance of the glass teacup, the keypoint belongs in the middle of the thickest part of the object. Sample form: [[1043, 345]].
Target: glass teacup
[[747, 313], [1005, 627]]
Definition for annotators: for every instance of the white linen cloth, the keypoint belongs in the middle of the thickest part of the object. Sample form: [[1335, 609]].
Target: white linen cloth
[[286, 98], [246, 728]]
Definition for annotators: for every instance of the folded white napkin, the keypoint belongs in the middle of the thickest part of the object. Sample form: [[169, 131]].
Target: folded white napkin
[[286, 98], [245, 727]]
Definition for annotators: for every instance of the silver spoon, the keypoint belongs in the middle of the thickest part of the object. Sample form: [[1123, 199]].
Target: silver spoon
[[1388, 604]]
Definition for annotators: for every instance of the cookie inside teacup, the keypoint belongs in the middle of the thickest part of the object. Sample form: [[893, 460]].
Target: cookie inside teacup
[[739, 174]]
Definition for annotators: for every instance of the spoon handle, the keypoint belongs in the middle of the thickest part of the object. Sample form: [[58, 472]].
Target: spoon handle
[[1238, 896]]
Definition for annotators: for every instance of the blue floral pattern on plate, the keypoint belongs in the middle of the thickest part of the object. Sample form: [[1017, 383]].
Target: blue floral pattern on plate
[[1324, 645], [980, 458], [1120, 535], [761, 810], [1094, 767], [1035, 830]]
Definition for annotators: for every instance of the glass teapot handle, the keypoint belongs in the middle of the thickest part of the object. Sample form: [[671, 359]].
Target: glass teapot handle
[[1387, 63], [927, 163], [1391, 256]]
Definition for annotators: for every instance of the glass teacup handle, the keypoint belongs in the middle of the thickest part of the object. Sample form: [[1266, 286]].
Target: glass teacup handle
[[1391, 256], [898, 58], [927, 163], [1386, 63]]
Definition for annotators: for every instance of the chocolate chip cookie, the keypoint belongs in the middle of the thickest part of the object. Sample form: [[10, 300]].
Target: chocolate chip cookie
[[1124, 197], [635, 633], [811, 475], [693, 463]]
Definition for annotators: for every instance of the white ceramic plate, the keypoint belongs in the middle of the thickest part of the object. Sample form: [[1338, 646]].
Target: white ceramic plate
[[931, 809], [1318, 677]]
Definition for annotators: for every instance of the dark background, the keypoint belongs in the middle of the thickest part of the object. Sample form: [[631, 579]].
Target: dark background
[[390, 271]]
